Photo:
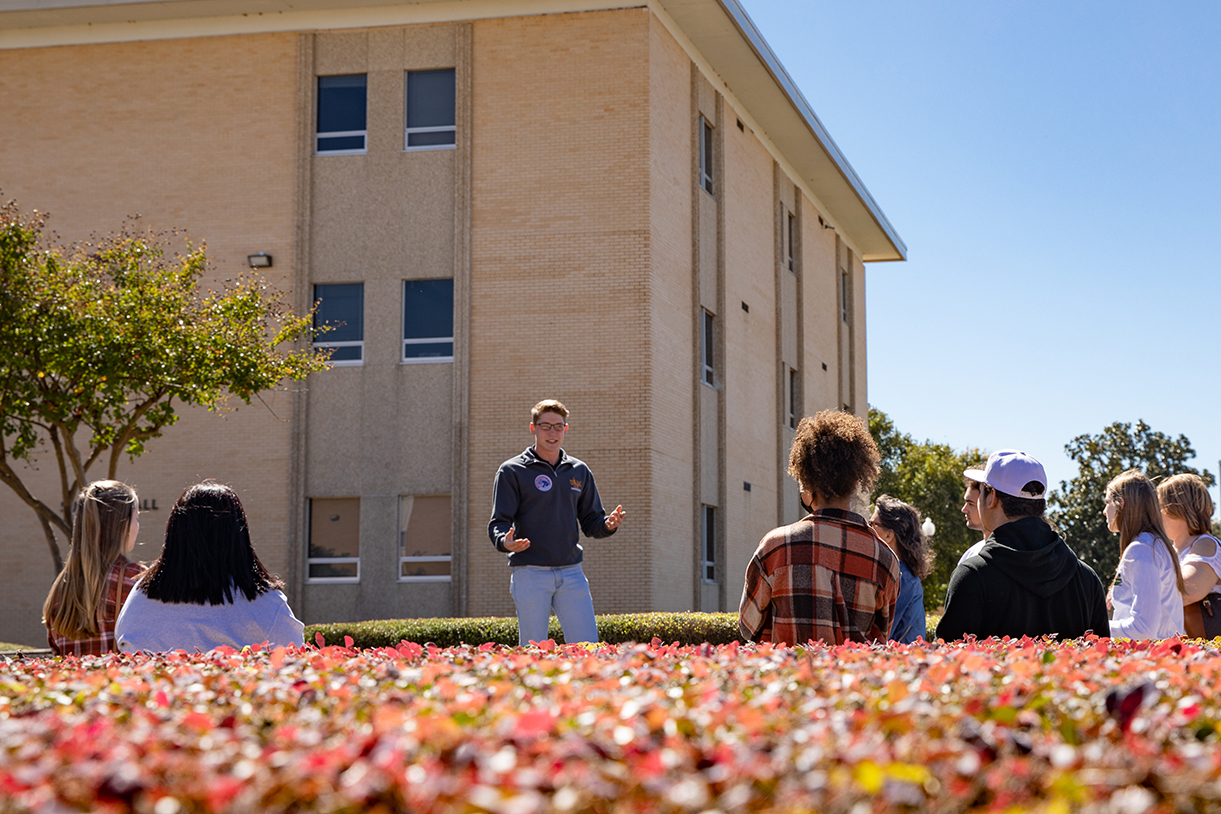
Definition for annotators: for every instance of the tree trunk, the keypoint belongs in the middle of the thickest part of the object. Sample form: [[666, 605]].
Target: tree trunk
[[51, 544]]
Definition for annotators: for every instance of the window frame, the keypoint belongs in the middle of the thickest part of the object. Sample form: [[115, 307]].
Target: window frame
[[793, 387], [708, 544], [792, 221], [309, 561], [433, 340], [408, 130], [343, 343], [843, 294], [706, 155], [707, 349], [402, 544], [364, 134]]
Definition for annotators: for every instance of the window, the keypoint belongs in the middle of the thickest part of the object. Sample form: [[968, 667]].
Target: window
[[706, 155], [708, 535], [342, 308], [341, 114], [428, 321], [793, 411], [707, 338], [334, 540], [425, 554], [430, 110], [843, 295], [791, 222]]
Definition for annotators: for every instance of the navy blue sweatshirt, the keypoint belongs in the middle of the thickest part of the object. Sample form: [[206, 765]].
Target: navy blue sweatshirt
[[548, 505]]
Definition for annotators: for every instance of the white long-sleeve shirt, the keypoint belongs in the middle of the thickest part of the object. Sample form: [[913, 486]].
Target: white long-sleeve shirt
[[1146, 598], [152, 626]]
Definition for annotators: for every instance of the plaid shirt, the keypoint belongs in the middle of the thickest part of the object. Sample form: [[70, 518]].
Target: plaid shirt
[[826, 577], [122, 573]]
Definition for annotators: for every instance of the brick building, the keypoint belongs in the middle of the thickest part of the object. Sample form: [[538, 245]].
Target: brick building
[[626, 206]]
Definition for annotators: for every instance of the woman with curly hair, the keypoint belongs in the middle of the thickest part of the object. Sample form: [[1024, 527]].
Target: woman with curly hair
[[826, 577], [898, 524]]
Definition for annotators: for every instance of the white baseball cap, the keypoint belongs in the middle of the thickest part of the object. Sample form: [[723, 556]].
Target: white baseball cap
[[1008, 471]]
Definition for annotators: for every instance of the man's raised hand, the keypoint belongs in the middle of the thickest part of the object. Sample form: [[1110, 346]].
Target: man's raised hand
[[515, 545], [615, 518]]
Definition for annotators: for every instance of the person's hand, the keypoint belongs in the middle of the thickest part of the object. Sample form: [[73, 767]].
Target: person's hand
[[615, 518], [515, 545]]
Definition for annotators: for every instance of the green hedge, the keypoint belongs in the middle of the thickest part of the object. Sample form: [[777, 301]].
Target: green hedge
[[684, 628]]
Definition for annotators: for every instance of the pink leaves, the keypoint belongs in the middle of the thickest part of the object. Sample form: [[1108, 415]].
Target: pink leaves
[[626, 728], [533, 724]]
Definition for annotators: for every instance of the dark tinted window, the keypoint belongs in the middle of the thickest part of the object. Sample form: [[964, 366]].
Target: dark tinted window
[[428, 314], [341, 103], [430, 98], [341, 306]]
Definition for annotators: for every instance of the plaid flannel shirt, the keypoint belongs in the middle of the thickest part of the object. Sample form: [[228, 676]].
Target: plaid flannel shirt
[[122, 574], [826, 577]]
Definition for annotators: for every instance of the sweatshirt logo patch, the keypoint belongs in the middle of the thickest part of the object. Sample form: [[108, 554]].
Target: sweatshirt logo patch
[[542, 483], [575, 484]]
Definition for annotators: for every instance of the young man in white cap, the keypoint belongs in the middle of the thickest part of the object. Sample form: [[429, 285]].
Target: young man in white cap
[[1025, 581]]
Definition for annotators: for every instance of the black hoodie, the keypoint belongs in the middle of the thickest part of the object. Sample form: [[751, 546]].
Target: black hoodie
[[1025, 581]]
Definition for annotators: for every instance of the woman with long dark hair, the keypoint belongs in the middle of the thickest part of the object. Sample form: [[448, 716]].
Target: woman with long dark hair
[[86, 597], [208, 587], [898, 525]]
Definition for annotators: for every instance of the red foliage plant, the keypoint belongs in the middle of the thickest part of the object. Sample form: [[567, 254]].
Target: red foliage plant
[[626, 728]]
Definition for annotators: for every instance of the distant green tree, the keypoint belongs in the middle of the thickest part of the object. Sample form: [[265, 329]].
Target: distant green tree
[[929, 477], [99, 341], [1076, 507]]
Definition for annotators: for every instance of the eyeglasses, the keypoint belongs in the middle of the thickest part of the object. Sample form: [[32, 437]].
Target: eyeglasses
[[550, 427]]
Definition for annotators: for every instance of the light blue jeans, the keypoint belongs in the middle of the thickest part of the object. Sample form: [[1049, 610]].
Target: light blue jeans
[[537, 590]]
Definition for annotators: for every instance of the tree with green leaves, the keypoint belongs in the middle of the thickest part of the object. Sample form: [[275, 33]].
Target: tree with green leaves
[[1076, 507], [929, 477], [102, 341]]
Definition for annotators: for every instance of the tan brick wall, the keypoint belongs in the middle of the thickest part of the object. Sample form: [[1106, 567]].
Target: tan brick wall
[[674, 541], [821, 308], [382, 429], [860, 379], [560, 261], [751, 356], [194, 134], [581, 280]]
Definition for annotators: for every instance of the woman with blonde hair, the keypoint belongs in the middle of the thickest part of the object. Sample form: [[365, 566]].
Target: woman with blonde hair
[[84, 601], [1148, 592], [1187, 513]]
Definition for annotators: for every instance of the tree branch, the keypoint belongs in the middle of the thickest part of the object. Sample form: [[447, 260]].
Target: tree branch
[[51, 544], [129, 431], [10, 478]]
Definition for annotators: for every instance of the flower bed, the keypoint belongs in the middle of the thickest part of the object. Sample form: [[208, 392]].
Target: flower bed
[[1116, 726]]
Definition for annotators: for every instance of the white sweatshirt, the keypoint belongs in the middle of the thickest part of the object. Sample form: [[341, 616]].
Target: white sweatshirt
[[153, 626], [1146, 597]]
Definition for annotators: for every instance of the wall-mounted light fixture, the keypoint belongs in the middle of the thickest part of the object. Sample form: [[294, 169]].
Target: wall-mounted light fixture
[[262, 260]]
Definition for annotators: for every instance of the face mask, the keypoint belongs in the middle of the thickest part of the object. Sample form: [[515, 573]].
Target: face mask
[[801, 499]]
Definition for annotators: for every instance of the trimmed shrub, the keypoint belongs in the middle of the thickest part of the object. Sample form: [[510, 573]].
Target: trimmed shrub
[[684, 628]]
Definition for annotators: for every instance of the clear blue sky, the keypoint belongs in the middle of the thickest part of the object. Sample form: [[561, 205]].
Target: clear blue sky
[[1055, 171]]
